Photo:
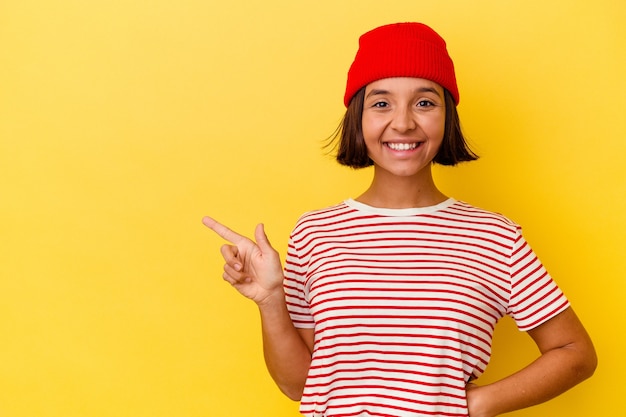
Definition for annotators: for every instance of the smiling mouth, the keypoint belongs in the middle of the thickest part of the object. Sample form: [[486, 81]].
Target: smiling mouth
[[403, 146]]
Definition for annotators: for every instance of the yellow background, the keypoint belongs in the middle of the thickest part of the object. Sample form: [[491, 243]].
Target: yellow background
[[122, 123]]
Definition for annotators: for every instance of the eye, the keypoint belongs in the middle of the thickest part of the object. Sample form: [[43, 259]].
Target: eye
[[380, 104], [425, 103]]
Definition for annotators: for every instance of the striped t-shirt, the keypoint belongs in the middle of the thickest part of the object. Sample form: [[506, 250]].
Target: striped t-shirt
[[404, 303]]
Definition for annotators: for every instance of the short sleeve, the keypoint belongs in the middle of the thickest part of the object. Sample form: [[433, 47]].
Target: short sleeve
[[295, 288], [535, 298]]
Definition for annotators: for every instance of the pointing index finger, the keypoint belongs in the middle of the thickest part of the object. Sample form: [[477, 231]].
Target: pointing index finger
[[222, 230]]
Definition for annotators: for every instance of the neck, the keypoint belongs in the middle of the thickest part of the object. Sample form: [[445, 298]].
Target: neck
[[390, 191]]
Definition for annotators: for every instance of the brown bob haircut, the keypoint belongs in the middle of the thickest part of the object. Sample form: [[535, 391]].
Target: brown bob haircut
[[351, 150]]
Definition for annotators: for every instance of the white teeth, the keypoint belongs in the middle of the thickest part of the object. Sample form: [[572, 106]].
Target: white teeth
[[402, 146]]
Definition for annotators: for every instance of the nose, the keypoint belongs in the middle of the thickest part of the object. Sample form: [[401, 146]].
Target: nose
[[403, 120]]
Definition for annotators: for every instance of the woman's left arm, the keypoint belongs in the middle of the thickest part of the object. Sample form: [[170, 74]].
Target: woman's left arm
[[567, 358]]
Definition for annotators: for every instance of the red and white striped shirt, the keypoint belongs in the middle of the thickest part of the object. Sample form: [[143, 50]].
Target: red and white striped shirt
[[404, 303]]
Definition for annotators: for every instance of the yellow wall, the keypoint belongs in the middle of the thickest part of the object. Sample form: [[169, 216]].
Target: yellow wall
[[122, 123]]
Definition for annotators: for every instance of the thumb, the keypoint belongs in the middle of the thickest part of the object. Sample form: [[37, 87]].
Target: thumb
[[261, 239]]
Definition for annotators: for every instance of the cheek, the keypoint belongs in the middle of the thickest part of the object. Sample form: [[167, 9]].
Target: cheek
[[436, 129], [367, 136], [371, 129]]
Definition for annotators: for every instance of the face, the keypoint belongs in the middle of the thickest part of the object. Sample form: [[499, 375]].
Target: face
[[403, 124]]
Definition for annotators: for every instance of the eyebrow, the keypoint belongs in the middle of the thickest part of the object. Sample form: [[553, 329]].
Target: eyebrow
[[378, 92]]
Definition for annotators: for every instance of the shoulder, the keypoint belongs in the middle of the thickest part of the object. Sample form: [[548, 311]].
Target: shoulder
[[323, 216], [473, 216], [326, 212]]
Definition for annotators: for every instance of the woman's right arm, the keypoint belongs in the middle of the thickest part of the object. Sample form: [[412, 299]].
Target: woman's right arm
[[254, 269], [287, 350]]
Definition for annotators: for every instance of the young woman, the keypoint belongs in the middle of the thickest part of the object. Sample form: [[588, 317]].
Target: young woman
[[387, 303]]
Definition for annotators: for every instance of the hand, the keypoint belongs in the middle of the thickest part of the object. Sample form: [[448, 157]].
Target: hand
[[254, 269]]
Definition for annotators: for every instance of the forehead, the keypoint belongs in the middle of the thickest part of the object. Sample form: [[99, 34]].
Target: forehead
[[404, 84]]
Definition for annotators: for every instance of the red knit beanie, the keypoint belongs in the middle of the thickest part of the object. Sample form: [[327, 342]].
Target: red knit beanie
[[401, 50]]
